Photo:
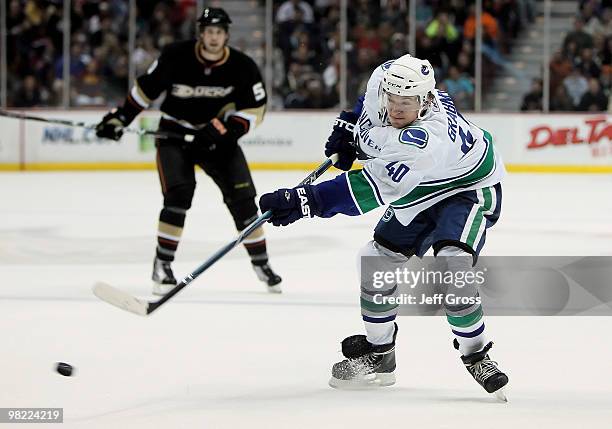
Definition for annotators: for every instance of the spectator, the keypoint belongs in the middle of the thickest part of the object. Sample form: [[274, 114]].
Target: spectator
[[606, 22], [444, 36], [594, 100], [331, 74], [592, 24], [489, 23], [298, 99], [366, 13], [533, 99], [441, 27], [370, 40], [576, 85], [560, 68], [581, 38], [465, 64], [30, 94], [560, 101], [460, 87], [292, 33], [587, 64], [397, 47], [287, 10], [571, 52], [89, 90], [144, 54], [394, 12]]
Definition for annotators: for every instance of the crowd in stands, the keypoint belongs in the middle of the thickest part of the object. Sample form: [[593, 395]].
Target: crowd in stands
[[580, 72], [99, 61], [307, 38], [308, 32]]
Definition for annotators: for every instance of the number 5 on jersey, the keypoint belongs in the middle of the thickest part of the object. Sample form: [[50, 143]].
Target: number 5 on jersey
[[258, 91]]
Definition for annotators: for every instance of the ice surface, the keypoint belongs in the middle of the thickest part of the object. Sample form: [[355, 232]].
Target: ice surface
[[225, 354]]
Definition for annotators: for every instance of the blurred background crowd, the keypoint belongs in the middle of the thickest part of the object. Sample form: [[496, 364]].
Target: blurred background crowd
[[378, 31], [306, 60]]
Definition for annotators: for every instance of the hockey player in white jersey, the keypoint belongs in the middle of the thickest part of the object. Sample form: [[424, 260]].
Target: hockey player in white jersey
[[439, 176]]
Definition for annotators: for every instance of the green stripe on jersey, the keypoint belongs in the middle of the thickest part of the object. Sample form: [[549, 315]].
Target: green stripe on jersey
[[362, 191], [484, 169], [474, 228], [488, 198]]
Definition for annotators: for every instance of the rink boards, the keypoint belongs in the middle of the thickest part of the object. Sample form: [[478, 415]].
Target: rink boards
[[294, 140]]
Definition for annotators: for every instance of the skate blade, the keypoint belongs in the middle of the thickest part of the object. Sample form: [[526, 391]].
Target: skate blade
[[500, 395], [372, 381], [275, 289]]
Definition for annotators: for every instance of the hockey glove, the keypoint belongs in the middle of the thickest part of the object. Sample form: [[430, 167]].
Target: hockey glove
[[289, 205], [221, 137], [341, 140], [112, 124]]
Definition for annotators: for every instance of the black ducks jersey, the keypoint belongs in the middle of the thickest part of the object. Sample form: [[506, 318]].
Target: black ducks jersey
[[198, 90]]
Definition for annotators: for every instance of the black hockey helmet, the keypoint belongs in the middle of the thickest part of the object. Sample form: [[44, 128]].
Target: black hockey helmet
[[214, 16]]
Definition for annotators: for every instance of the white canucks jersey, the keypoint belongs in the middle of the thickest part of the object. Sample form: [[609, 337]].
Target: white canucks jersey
[[413, 168]]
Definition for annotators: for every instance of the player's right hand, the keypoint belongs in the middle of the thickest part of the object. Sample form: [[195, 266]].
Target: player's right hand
[[341, 140], [111, 126], [215, 137], [290, 205]]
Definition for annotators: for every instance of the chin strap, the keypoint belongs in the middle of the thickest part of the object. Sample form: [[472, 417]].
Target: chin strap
[[426, 106]]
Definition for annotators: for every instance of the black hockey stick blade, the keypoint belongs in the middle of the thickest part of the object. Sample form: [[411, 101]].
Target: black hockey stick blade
[[127, 302]]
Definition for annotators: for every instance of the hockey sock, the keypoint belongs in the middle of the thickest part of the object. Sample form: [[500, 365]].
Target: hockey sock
[[377, 310], [466, 319], [170, 228], [469, 330], [380, 333], [255, 245]]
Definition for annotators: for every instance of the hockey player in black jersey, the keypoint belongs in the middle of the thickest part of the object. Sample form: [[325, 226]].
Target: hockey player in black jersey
[[216, 93]]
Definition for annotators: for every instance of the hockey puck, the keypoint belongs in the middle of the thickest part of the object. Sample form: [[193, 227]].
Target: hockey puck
[[64, 368]]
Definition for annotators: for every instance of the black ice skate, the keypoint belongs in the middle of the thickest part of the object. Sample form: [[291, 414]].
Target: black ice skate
[[367, 366], [265, 274], [163, 277], [485, 371]]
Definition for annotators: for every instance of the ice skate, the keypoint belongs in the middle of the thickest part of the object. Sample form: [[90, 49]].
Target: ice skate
[[270, 278], [366, 365], [163, 277], [485, 371]]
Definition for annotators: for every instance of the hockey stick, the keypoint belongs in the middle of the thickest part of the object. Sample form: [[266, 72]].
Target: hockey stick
[[128, 302], [140, 132]]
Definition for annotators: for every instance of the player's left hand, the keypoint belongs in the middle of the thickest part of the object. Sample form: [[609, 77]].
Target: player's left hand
[[289, 205], [341, 140]]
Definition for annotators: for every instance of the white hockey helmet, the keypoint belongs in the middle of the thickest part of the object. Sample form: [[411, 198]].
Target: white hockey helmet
[[409, 76]]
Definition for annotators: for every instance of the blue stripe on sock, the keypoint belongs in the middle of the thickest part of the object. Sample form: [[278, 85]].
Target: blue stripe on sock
[[470, 334], [378, 319]]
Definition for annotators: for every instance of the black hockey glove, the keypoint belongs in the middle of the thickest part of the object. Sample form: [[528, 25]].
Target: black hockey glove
[[221, 137], [341, 140], [212, 135], [289, 205], [112, 124]]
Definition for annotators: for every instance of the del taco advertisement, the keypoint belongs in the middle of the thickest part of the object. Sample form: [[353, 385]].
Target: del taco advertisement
[[556, 142]]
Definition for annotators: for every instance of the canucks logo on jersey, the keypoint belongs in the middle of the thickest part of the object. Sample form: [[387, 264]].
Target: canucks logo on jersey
[[415, 136]]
